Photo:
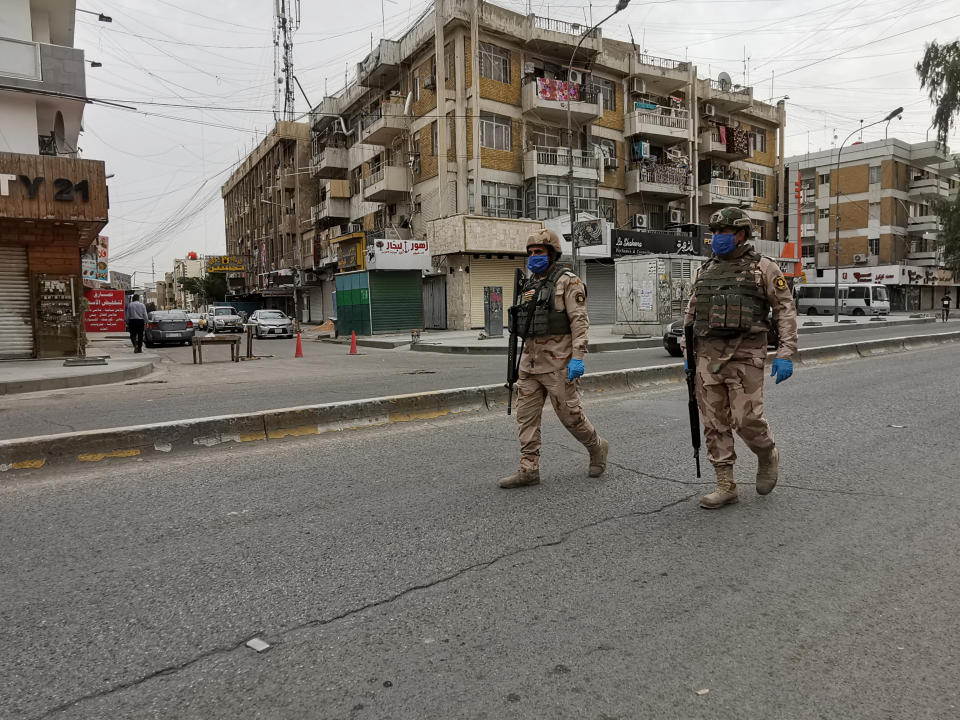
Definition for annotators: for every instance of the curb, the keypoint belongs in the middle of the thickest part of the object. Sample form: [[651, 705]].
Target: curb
[[111, 376], [93, 446], [593, 347]]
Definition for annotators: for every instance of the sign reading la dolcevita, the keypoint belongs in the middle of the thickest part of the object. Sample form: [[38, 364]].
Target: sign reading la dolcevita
[[106, 311]]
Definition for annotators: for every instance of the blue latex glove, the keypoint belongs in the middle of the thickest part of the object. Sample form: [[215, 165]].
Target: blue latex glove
[[574, 369], [685, 366], [782, 369]]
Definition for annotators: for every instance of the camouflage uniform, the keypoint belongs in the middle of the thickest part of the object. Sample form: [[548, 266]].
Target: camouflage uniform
[[730, 370], [543, 374]]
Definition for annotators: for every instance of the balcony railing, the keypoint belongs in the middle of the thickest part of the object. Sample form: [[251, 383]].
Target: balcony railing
[[559, 156], [560, 26], [662, 117], [563, 90], [369, 120], [661, 174], [662, 63], [733, 89], [740, 189]]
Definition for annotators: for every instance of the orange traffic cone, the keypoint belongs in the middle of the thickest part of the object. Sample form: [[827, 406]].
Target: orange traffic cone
[[299, 352], [353, 342]]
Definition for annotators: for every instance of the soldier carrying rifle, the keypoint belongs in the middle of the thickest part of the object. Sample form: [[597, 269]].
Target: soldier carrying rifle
[[551, 315]]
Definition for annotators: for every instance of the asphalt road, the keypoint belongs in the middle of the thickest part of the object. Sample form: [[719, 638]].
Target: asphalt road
[[393, 579], [326, 374]]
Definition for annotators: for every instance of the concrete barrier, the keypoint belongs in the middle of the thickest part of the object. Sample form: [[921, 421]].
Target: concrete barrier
[[94, 446]]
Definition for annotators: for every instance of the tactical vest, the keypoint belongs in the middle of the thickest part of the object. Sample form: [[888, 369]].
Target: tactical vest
[[729, 297], [535, 314]]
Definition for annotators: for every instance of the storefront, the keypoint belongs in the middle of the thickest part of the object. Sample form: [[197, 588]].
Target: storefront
[[912, 288], [52, 210], [492, 271]]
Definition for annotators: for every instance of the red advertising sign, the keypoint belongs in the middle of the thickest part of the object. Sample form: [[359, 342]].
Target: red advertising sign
[[106, 311]]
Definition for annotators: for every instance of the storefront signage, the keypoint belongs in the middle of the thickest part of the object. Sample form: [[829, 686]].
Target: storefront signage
[[396, 254], [106, 311], [94, 263], [225, 263], [62, 189], [635, 242], [588, 232]]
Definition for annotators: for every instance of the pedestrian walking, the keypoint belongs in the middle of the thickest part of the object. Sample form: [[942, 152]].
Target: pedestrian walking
[[945, 306], [731, 301], [551, 316], [136, 317]]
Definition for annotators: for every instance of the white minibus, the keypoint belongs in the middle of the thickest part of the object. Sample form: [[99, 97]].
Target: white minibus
[[817, 299]]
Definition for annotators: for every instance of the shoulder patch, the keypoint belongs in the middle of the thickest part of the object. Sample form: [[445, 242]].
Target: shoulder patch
[[581, 298], [780, 283]]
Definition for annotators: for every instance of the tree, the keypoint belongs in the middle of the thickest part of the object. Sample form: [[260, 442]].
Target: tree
[[939, 73], [212, 288], [949, 235]]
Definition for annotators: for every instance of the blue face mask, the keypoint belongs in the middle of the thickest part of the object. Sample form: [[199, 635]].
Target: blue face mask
[[538, 263], [724, 243]]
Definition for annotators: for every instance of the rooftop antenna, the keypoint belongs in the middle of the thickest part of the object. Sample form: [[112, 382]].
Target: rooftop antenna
[[286, 15]]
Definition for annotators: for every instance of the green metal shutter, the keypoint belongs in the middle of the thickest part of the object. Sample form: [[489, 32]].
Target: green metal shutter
[[353, 303], [396, 299]]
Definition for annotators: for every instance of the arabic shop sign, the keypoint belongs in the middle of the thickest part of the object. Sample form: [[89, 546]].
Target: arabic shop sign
[[387, 254], [225, 263], [106, 312], [636, 242]]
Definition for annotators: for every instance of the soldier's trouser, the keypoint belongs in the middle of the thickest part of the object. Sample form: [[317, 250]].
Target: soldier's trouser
[[532, 392], [732, 399]]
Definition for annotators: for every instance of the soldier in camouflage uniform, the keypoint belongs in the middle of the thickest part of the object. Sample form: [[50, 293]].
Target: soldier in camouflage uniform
[[553, 320], [729, 305]]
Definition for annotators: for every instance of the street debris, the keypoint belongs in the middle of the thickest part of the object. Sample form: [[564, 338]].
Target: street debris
[[703, 692], [899, 427], [257, 644]]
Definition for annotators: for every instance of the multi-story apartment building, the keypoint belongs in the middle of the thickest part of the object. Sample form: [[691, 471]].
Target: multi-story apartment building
[[53, 204], [888, 232], [267, 202], [455, 136]]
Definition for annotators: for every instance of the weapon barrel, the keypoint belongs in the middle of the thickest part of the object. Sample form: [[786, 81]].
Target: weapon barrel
[[693, 409]]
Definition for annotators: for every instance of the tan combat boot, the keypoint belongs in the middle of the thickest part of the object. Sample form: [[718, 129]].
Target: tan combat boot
[[598, 458], [521, 478], [726, 491], [768, 466]]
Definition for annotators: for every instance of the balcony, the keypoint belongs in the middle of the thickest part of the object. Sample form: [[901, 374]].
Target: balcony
[[556, 161], [657, 74], [551, 36], [385, 126], [924, 254], [331, 211], [726, 192], [548, 99], [663, 181], [389, 184], [667, 126], [930, 187], [808, 230], [713, 144], [927, 154], [330, 163], [39, 66], [920, 224], [381, 65], [728, 98]]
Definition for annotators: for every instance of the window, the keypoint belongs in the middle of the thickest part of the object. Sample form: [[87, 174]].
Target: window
[[494, 63], [416, 86], [607, 209], [875, 172], [826, 292], [759, 230], [823, 247], [857, 293], [759, 183], [416, 156], [548, 197], [825, 179], [608, 92], [447, 60], [808, 217], [495, 131], [434, 138], [609, 150], [874, 246], [808, 251], [501, 200], [758, 141], [823, 213], [874, 211]]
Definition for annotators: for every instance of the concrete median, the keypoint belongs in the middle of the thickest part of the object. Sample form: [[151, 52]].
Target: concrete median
[[160, 439]]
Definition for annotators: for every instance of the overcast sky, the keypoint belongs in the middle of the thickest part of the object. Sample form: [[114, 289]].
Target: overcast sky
[[840, 61]]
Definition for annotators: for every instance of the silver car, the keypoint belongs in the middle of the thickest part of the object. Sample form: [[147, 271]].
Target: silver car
[[271, 323], [168, 327]]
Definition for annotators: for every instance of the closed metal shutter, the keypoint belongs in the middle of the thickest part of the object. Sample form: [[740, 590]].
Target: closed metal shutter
[[601, 293], [491, 271], [16, 316], [396, 300]]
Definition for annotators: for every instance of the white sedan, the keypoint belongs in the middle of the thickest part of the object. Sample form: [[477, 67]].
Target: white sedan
[[271, 323]]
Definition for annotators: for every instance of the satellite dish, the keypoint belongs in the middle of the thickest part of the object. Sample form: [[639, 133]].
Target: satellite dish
[[59, 135], [725, 81]]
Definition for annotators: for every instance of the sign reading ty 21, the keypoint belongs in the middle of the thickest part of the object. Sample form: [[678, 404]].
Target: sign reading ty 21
[[63, 190]]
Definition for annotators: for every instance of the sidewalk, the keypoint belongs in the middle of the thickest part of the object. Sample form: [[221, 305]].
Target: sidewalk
[[602, 338]]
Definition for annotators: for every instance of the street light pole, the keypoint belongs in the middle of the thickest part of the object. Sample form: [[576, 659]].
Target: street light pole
[[621, 5], [836, 202]]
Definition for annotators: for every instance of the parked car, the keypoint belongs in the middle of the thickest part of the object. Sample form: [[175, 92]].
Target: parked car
[[671, 338], [166, 327], [271, 323], [224, 318], [199, 320]]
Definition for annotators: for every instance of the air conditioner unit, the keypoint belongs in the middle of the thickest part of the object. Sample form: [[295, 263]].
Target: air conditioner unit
[[709, 110], [309, 277], [575, 76], [529, 68], [429, 82], [355, 228], [638, 86], [610, 163], [639, 221], [676, 216], [860, 258]]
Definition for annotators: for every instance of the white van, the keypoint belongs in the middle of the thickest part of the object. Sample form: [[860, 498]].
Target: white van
[[817, 299]]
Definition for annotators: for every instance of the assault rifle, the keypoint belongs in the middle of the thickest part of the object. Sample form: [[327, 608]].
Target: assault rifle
[[513, 356], [691, 372]]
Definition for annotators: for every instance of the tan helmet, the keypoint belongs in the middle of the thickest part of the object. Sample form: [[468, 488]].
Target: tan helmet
[[731, 217], [546, 238]]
